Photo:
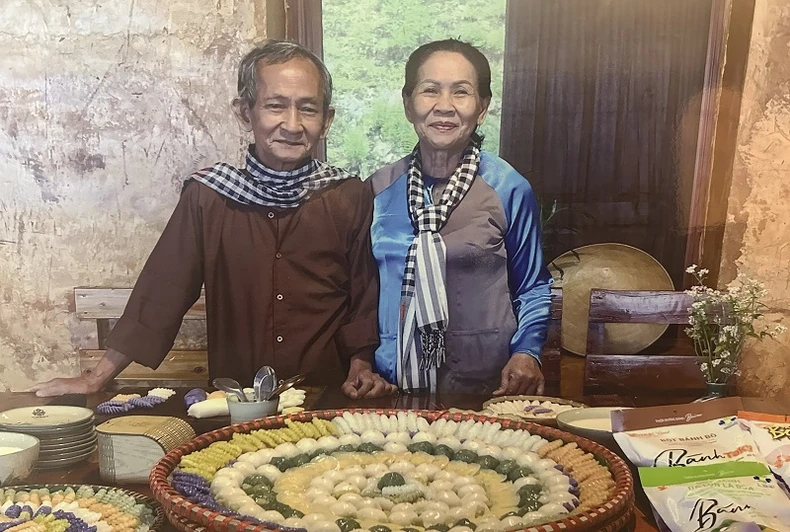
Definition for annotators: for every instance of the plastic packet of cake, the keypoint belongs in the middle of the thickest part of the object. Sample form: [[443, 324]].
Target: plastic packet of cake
[[771, 433], [684, 435], [727, 497]]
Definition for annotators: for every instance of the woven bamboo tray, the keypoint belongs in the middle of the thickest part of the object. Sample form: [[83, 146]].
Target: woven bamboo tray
[[159, 514], [182, 525], [551, 421], [611, 516]]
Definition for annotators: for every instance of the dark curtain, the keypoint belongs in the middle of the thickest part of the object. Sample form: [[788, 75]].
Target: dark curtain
[[602, 101]]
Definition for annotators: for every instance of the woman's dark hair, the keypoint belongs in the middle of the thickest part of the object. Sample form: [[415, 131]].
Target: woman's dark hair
[[479, 62], [419, 56]]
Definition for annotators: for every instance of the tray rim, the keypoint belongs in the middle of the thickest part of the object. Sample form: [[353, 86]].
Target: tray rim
[[598, 518], [184, 525]]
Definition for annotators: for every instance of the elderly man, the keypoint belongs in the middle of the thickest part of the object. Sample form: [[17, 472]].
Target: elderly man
[[282, 247]]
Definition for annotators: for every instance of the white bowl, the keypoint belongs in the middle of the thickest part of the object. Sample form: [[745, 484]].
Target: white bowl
[[249, 410], [17, 465], [591, 423]]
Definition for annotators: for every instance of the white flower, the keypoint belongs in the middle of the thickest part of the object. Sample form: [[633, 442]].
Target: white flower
[[720, 320]]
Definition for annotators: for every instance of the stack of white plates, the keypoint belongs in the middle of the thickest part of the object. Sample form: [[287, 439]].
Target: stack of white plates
[[67, 433]]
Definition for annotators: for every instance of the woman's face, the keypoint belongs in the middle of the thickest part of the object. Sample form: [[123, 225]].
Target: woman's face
[[445, 106]]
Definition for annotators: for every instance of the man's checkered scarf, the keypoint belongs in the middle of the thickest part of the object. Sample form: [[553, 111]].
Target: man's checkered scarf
[[423, 294], [263, 186]]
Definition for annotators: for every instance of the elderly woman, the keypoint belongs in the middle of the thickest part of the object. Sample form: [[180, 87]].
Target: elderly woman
[[464, 300]]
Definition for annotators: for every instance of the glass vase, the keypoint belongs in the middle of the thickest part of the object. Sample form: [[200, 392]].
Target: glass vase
[[713, 390]]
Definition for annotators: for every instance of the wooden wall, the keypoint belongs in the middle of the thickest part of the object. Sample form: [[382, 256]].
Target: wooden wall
[[597, 91]]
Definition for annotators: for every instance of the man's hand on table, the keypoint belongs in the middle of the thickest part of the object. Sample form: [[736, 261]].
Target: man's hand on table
[[521, 376], [110, 365], [364, 383], [62, 386]]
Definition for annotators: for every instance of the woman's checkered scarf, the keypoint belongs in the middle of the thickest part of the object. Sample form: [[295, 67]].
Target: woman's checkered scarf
[[423, 307], [263, 186]]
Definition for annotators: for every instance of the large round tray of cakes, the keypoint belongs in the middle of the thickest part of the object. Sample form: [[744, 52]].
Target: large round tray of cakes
[[392, 470]]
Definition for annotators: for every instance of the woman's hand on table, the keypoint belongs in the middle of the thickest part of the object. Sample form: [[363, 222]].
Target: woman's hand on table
[[521, 376], [364, 383]]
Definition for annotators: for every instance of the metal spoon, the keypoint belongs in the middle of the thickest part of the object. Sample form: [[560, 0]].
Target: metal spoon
[[296, 379], [230, 386], [264, 382], [286, 385], [268, 385]]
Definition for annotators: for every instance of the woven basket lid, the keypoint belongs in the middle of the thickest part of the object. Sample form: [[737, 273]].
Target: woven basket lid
[[169, 432]]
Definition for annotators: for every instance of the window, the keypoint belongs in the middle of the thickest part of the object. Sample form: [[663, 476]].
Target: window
[[366, 44]]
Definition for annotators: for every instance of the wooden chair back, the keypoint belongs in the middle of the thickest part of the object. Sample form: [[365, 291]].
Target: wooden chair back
[[179, 368], [638, 372], [552, 351]]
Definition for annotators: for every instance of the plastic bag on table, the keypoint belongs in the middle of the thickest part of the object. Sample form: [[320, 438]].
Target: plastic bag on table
[[727, 497]]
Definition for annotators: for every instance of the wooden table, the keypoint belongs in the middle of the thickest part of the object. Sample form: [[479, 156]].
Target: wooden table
[[318, 399]]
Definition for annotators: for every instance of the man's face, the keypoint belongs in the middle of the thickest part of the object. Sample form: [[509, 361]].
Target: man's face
[[288, 117]]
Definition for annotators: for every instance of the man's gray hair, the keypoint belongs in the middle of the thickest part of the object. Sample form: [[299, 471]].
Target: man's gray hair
[[274, 52]]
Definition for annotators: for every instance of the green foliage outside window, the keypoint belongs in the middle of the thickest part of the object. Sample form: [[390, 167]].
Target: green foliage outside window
[[366, 45]]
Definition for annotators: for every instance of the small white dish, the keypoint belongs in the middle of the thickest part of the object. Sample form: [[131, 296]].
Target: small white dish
[[58, 438], [46, 418], [63, 455], [63, 462], [592, 423], [67, 447], [18, 455]]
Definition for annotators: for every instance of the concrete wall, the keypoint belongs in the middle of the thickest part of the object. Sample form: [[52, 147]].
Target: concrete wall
[[104, 109], [757, 233]]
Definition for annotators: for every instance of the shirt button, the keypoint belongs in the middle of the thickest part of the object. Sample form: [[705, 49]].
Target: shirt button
[[279, 339], [278, 255], [271, 215], [279, 297]]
